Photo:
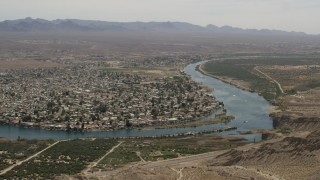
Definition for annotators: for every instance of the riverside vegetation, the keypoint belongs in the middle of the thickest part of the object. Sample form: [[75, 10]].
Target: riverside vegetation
[[72, 157]]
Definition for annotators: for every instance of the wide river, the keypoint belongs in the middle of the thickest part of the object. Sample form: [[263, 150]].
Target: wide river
[[251, 112]]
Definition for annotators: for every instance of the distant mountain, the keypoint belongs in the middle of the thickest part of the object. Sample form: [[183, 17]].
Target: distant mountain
[[29, 25]]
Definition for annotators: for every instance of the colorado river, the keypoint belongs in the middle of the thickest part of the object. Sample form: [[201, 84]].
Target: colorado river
[[251, 112]]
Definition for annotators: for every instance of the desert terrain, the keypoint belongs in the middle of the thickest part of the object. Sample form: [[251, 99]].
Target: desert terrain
[[283, 69]]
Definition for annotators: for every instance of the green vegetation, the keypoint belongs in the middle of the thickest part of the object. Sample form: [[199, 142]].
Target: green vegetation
[[307, 85], [13, 151], [229, 70], [264, 59], [160, 149], [303, 75], [69, 157], [267, 89], [124, 154], [114, 69], [154, 152], [141, 68], [149, 151], [284, 130]]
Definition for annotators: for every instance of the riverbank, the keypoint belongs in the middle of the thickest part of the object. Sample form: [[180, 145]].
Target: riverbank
[[272, 109], [181, 122], [191, 124], [200, 69], [183, 135]]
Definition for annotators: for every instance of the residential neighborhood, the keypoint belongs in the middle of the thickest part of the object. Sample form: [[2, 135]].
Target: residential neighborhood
[[88, 97]]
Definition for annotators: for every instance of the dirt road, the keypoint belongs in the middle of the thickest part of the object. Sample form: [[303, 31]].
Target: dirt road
[[176, 161], [270, 78], [97, 162], [20, 162], [209, 155], [178, 164]]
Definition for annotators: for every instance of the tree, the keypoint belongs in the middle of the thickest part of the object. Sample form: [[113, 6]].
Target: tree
[[128, 124], [26, 118], [67, 118], [68, 127], [93, 117], [154, 113], [50, 104], [82, 126]]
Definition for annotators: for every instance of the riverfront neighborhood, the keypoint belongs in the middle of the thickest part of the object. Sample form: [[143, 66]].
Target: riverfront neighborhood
[[95, 96]]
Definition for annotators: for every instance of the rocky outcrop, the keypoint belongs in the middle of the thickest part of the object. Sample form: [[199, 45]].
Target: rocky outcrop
[[296, 123], [282, 157]]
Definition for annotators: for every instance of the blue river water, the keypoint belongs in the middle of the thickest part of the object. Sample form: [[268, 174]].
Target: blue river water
[[250, 109]]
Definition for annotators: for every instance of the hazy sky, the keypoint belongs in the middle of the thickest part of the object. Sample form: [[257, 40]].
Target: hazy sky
[[291, 15]]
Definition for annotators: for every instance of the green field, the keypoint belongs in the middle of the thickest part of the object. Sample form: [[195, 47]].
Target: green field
[[69, 157], [160, 149], [72, 157], [123, 155], [13, 151], [148, 151], [267, 89]]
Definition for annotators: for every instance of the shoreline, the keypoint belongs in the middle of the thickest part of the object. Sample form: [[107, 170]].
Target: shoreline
[[202, 71], [181, 135], [79, 130], [271, 110], [175, 135], [199, 68], [191, 124]]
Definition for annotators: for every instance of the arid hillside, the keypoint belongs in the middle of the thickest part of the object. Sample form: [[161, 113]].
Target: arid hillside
[[291, 158]]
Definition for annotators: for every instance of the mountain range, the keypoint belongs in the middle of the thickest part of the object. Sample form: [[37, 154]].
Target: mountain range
[[33, 25]]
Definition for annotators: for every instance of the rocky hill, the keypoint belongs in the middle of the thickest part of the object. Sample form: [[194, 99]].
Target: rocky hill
[[290, 158]]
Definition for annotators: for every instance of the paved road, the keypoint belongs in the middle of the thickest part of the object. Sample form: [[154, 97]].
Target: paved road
[[20, 162]]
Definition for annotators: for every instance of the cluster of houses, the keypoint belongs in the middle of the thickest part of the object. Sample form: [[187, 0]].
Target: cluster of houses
[[85, 97]]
